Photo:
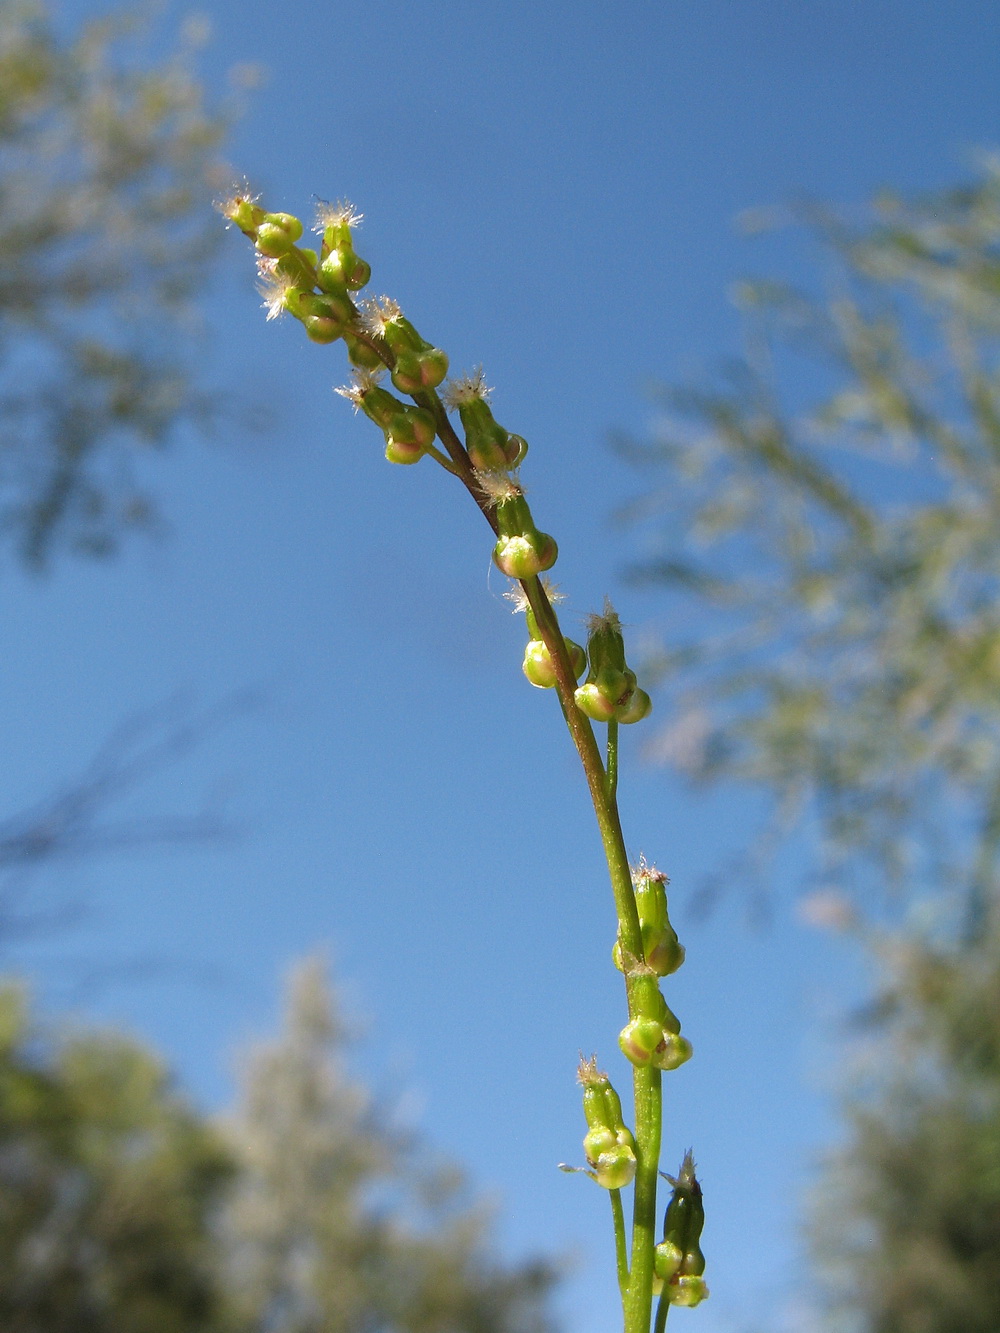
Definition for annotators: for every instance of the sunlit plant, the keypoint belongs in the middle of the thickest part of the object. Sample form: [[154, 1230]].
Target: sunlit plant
[[319, 288]]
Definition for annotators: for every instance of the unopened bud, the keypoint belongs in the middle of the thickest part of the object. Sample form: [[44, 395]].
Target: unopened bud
[[360, 354], [521, 550], [680, 1250], [538, 665], [608, 1144], [662, 951], [277, 233]]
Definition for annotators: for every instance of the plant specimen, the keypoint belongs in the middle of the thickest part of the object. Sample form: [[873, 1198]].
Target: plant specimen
[[319, 288]]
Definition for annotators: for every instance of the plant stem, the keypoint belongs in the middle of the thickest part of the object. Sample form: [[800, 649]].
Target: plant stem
[[621, 1250], [662, 1310]]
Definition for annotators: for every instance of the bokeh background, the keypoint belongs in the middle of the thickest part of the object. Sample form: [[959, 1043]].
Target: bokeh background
[[552, 191]]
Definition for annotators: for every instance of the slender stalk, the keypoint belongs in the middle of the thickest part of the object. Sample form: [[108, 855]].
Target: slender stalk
[[621, 1250], [662, 1310]]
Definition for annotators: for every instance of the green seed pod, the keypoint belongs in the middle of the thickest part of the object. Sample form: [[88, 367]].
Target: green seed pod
[[688, 1291], [403, 451], [415, 372], [608, 1144], [639, 706], [673, 1052], [662, 952], [666, 1261], [485, 439], [614, 1169], [525, 556], [516, 450], [538, 665], [287, 222], [640, 1040], [322, 330], [521, 550], [342, 268], [593, 703], [273, 240], [360, 354], [336, 307]]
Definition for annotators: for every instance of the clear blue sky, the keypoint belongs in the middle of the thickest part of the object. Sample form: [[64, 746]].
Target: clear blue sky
[[548, 189]]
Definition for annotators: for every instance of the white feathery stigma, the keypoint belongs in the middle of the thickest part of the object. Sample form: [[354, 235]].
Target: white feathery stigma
[[272, 286], [466, 389], [377, 312], [361, 382], [334, 215]]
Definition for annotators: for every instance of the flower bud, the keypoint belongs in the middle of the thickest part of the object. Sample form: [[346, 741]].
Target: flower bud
[[488, 444], [653, 1037], [341, 267], [608, 1144], [289, 224], [606, 694], [521, 550], [662, 952], [538, 665], [360, 354], [416, 371], [678, 1258], [277, 233]]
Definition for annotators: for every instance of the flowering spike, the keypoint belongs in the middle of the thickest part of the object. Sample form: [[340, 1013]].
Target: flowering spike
[[678, 1260], [521, 550], [608, 1143]]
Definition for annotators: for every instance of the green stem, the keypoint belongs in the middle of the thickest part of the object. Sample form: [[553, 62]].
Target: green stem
[[613, 759], [621, 1253], [662, 1310], [648, 1123]]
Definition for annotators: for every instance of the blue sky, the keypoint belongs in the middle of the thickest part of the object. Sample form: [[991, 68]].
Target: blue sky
[[548, 189]]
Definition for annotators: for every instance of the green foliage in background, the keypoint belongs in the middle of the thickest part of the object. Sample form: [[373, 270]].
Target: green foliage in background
[[108, 162], [338, 1222], [107, 1186], [827, 518], [123, 1210], [829, 512]]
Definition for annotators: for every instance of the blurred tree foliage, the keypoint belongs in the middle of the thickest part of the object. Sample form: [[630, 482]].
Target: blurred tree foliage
[[107, 1185], [108, 162], [122, 1209], [826, 516], [338, 1224]]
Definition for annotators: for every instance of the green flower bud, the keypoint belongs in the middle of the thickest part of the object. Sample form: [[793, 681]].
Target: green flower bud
[[485, 439], [538, 665], [521, 550], [243, 213], [336, 307]]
